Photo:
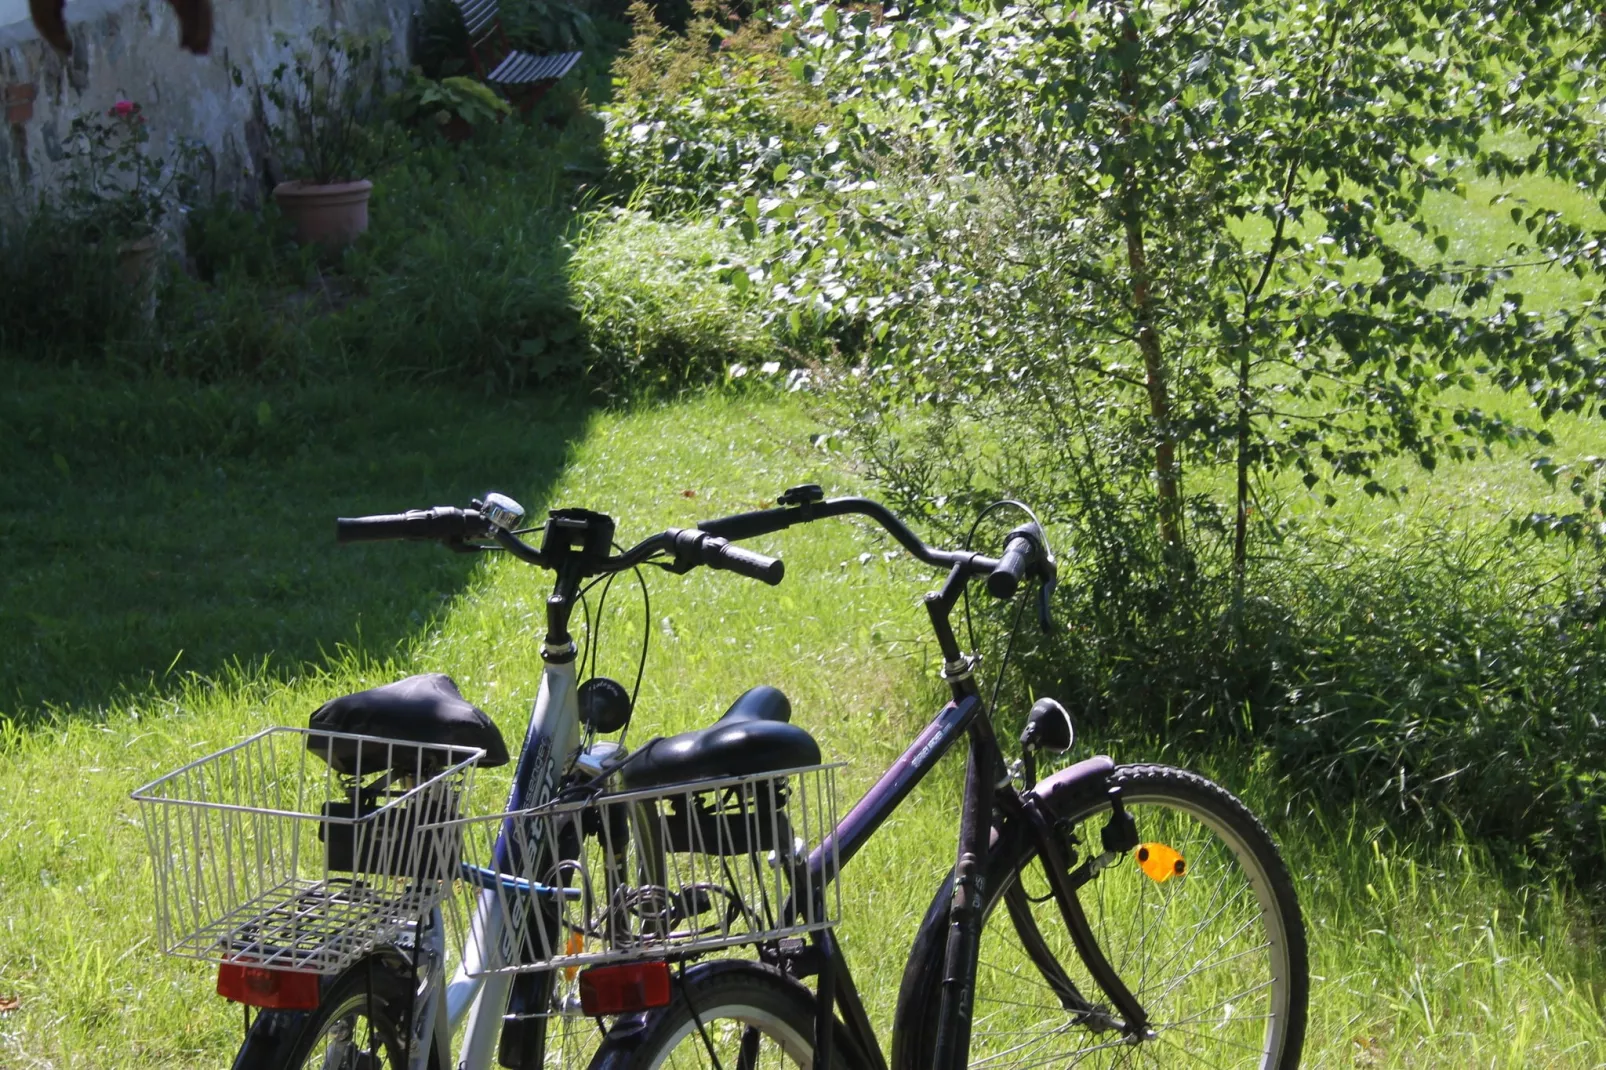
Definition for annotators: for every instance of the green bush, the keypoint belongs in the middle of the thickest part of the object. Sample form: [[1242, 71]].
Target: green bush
[[654, 310], [223, 239], [431, 104], [1445, 679], [483, 264], [706, 115], [60, 297], [479, 291]]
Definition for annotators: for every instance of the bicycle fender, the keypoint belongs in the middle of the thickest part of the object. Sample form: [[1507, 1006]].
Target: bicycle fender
[[1064, 791]]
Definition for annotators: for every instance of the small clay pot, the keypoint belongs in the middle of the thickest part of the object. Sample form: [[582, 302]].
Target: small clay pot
[[136, 261], [331, 215], [136, 269]]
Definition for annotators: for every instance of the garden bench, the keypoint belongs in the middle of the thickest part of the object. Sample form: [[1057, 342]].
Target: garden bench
[[520, 75]]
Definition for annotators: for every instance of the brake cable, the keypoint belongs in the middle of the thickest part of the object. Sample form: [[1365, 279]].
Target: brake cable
[[594, 641], [1014, 628]]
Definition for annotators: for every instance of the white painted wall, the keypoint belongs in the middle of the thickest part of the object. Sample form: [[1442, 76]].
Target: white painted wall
[[129, 49], [13, 11]]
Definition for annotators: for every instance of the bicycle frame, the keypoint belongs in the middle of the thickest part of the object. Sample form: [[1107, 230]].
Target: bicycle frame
[[550, 743], [576, 545], [988, 795]]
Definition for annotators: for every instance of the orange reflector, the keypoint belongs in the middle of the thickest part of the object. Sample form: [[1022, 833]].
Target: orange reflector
[[573, 946], [626, 989], [274, 990], [1160, 862]]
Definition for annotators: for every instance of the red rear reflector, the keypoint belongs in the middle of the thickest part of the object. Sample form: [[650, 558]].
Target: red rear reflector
[[635, 986], [274, 990]]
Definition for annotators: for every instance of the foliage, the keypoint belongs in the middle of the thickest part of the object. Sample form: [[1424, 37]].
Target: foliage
[[225, 241], [1228, 264], [58, 294], [540, 285], [653, 308], [440, 45], [539, 26], [1156, 266], [693, 114], [426, 100], [116, 188], [548, 26], [323, 93]]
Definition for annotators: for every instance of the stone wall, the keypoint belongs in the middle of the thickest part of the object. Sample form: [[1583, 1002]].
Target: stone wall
[[128, 49]]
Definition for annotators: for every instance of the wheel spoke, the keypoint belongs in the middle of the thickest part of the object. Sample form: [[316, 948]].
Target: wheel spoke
[[1208, 953]]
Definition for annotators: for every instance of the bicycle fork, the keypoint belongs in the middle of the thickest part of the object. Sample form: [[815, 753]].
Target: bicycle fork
[[1119, 836], [964, 909]]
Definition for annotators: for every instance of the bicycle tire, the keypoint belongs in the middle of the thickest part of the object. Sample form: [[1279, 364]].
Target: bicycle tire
[[744, 1009], [1226, 844], [378, 989]]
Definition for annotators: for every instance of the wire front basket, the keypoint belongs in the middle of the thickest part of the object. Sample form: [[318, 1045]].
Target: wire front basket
[[667, 872], [302, 850]]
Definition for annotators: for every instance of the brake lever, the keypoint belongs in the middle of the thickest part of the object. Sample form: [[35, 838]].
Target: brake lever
[[1045, 618]]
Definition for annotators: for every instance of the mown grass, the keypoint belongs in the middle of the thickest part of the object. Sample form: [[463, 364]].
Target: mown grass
[[155, 528], [1423, 955]]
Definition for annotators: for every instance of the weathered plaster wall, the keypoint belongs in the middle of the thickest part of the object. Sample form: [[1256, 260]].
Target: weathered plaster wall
[[129, 49]]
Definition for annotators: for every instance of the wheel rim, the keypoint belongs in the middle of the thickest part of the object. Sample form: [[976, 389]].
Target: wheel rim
[[351, 1040], [1206, 953], [741, 1036]]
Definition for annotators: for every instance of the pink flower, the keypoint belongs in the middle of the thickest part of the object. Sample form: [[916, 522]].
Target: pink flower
[[123, 108]]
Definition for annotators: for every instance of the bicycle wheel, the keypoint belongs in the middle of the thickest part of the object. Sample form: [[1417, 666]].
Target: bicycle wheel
[[1210, 942], [726, 1014], [360, 1024]]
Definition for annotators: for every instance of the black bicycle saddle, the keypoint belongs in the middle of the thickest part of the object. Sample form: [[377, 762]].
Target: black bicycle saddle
[[420, 709], [753, 736]]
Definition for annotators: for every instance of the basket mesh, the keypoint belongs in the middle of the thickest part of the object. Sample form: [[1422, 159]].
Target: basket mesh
[[667, 872], [263, 854]]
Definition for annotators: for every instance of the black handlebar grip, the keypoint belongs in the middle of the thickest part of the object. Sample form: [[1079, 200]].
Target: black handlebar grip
[[1004, 580], [442, 522], [717, 553]]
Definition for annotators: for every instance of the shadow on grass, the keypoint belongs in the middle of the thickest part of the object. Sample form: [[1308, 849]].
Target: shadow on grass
[[156, 526]]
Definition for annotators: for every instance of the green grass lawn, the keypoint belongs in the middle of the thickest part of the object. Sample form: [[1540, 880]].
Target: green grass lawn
[[1423, 955]]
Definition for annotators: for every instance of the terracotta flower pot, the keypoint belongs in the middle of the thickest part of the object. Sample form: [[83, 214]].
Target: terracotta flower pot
[[136, 269], [331, 215]]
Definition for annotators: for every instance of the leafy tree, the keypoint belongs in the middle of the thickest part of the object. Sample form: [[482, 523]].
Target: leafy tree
[[1201, 230]]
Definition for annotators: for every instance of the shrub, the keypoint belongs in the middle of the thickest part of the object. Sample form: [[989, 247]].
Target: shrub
[[59, 297], [324, 96], [433, 105], [707, 115], [472, 284], [1448, 680], [654, 309]]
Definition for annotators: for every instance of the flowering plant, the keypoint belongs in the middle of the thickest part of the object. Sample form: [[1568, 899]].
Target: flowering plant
[[116, 187]]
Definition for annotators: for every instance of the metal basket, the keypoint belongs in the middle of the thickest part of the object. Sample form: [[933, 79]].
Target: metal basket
[[302, 850], [668, 872]]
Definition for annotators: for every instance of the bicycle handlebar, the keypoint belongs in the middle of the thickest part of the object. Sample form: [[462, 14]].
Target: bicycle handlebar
[[440, 523], [766, 521], [710, 543], [715, 552]]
